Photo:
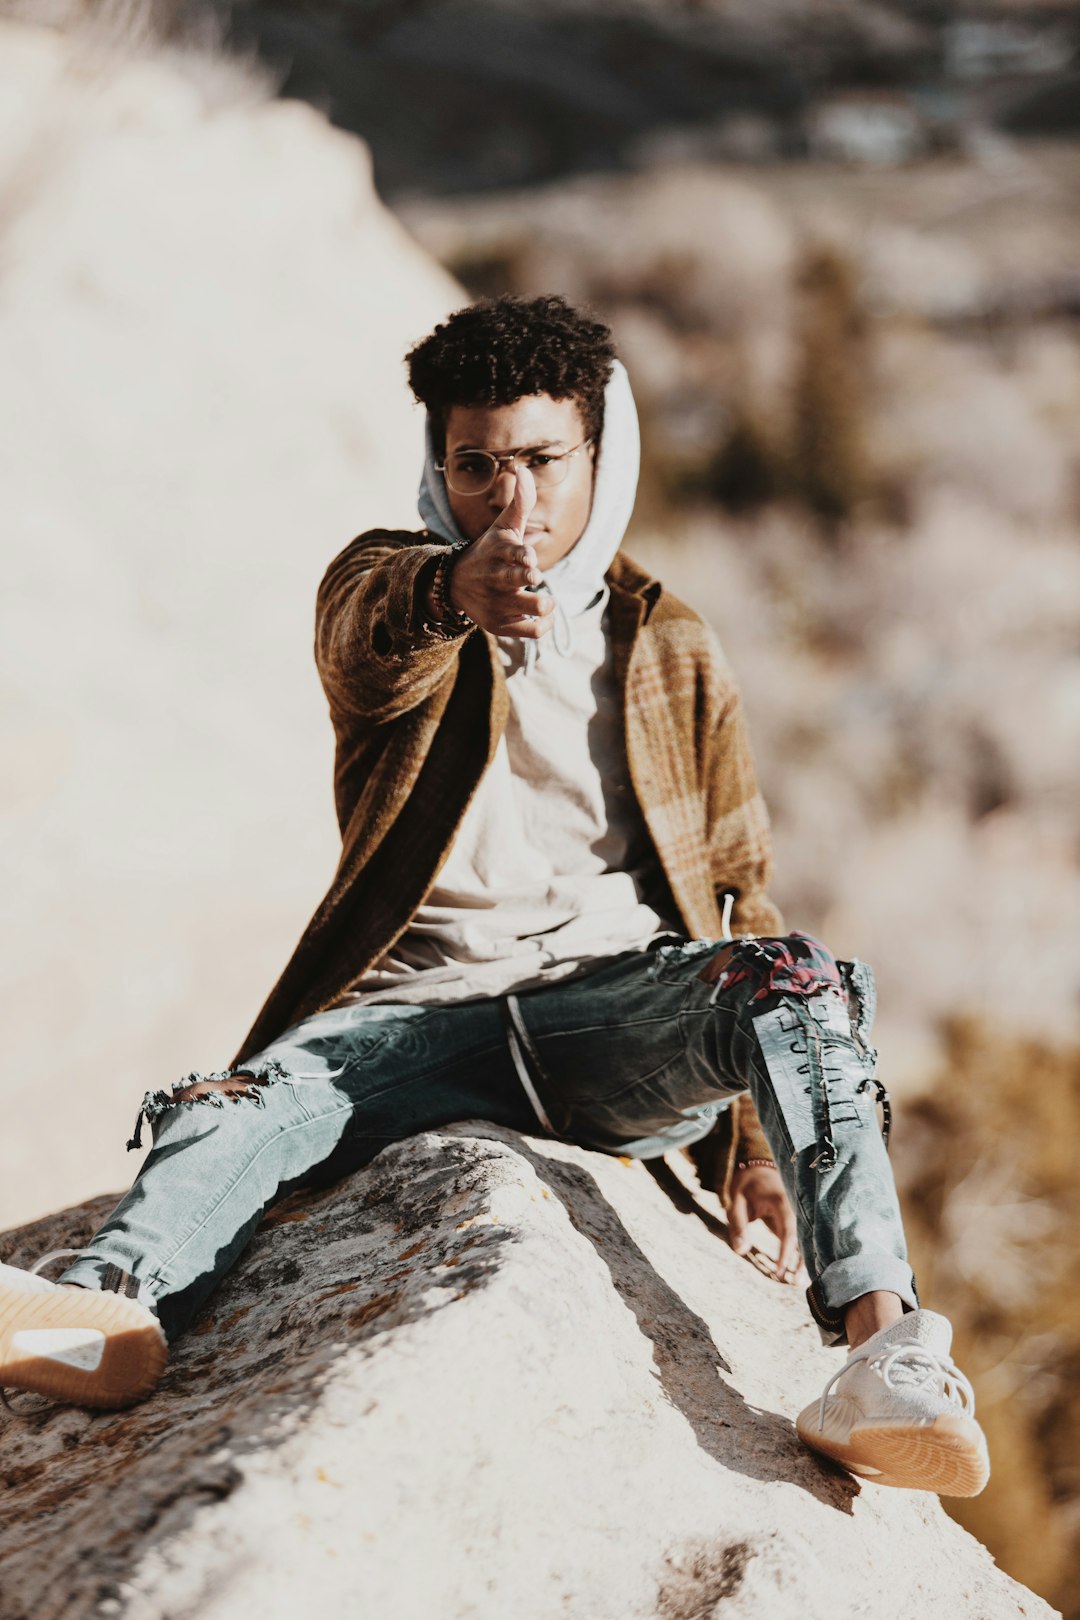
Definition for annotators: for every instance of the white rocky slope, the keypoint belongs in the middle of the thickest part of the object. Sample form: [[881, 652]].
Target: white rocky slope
[[487, 1377], [203, 313]]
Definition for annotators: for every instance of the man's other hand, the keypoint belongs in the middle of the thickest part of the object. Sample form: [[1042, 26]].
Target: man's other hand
[[757, 1194], [494, 580]]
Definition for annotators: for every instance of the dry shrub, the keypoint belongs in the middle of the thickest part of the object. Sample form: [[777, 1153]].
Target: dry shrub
[[751, 468], [829, 453], [987, 1164], [804, 442]]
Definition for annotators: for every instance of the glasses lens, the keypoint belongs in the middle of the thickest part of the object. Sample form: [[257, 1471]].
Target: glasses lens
[[548, 470], [470, 472]]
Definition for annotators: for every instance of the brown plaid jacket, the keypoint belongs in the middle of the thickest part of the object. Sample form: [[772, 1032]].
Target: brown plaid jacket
[[417, 719]]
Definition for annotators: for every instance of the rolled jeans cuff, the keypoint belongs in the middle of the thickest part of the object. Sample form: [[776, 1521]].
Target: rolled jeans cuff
[[844, 1281]]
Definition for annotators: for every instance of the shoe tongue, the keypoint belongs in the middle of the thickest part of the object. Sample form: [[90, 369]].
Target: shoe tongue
[[925, 1328]]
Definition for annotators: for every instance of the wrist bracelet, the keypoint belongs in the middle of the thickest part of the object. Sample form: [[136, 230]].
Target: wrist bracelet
[[749, 1164], [440, 591], [449, 621]]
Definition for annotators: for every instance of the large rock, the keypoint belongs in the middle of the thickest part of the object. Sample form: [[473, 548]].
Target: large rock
[[487, 1377]]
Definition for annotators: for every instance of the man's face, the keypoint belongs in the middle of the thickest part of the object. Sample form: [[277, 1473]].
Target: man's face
[[539, 423]]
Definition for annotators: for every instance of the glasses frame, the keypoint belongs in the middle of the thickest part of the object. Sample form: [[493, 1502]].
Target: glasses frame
[[511, 456]]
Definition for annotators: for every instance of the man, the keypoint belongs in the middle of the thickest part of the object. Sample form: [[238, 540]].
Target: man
[[549, 819]]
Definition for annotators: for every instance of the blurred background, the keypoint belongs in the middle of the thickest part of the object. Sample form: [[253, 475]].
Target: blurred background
[[839, 244]]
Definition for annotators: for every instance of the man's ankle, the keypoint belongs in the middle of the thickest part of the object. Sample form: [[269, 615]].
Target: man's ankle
[[870, 1313]]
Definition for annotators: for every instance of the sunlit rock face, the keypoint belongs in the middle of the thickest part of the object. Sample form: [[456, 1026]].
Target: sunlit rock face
[[487, 1376], [203, 316]]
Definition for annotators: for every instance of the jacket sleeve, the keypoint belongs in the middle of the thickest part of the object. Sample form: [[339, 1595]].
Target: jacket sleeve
[[740, 844], [374, 658]]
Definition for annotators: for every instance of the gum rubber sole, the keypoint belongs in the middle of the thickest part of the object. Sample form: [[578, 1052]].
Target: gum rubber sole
[[947, 1456], [78, 1345]]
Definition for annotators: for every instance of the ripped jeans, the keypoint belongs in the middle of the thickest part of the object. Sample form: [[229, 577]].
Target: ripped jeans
[[635, 1056]]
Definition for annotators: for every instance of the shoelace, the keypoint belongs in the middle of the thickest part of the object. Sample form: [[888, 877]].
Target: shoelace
[[55, 1254], [25, 1417], [925, 1368]]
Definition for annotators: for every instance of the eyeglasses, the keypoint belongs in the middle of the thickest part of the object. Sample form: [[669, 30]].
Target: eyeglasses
[[471, 472]]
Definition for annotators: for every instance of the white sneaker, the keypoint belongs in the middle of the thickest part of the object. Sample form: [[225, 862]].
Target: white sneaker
[[900, 1412], [85, 1346]]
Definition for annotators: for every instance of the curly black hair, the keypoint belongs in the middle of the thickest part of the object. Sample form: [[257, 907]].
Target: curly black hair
[[499, 349]]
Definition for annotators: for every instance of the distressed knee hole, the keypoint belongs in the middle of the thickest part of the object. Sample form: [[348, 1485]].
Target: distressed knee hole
[[237, 1086], [209, 1090]]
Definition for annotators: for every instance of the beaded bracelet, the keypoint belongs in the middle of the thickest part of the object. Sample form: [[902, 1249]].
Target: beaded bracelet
[[748, 1164], [449, 621]]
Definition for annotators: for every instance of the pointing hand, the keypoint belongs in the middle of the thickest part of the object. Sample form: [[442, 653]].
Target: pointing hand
[[495, 579]]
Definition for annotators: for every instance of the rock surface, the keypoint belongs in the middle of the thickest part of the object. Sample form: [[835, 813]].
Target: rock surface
[[489, 1376]]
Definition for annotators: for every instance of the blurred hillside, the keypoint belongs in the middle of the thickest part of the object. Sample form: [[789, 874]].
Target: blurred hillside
[[457, 96]]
